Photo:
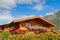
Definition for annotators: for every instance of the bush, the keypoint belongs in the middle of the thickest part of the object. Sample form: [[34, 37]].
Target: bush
[[4, 35], [58, 36], [30, 36], [12, 37]]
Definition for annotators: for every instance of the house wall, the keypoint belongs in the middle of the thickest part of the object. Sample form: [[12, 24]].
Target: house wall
[[49, 29], [33, 23]]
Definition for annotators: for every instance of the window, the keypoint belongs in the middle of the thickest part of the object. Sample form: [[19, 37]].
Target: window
[[28, 24], [39, 25]]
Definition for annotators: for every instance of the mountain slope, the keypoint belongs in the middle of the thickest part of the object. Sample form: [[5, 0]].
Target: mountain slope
[[55, 18]]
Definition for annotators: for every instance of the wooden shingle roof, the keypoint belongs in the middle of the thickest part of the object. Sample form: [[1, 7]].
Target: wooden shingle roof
[[35, 17]]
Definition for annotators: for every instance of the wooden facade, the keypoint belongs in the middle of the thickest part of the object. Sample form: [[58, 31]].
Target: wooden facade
[[32, 24]]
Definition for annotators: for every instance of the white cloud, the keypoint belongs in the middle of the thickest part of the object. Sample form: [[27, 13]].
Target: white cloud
[[49, 13], [6, 16], [7, 4], [41, 16], [23, 1], [27, 1], [38, 7], [24, 16]]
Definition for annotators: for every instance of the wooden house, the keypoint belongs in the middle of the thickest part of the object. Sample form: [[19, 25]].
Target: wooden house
[[35, 24]]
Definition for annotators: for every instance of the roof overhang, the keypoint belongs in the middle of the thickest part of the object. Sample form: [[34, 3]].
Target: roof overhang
[[36, 17]]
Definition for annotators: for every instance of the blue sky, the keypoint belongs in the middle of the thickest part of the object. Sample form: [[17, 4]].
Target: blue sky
[[16, 9]]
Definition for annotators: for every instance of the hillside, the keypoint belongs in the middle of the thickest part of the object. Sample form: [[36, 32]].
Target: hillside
[[55, 18]]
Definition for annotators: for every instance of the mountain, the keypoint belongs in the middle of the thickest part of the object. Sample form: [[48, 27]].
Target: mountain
[[55, 18]]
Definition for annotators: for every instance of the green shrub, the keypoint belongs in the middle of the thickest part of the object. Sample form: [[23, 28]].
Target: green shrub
[[30, 36], [12, 37], [4, 35], [58, 36], [27, 36]]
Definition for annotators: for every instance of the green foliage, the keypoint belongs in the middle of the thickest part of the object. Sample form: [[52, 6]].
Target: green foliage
[[4, 35], [30, 36], [12, 37]]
